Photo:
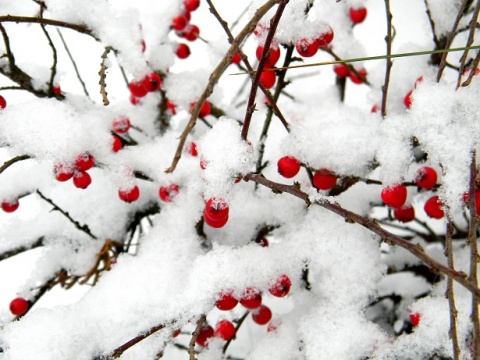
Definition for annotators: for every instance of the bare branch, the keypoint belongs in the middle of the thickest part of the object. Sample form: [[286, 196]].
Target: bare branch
[[191, 345], [103, 76], [471, 37], [256, 80], [216, 75], [21, 249], [6, 40], [12, 161], [73, 63], [388, 40], [80, 227], [54, 54], [373, 226]]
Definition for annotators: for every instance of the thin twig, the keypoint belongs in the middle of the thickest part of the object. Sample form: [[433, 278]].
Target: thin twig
[[36, 20], [471, 37], [103, 76], [80, 227], [373, 226], [388, 40], [12, 161], [53, 69], [191, 345], [449, 294], [121, 349], [263, 60], [239, 324], [268, 94], [73, 63], [10, 253], [432, 24], [474, 258], [215, 76], [6, 40]]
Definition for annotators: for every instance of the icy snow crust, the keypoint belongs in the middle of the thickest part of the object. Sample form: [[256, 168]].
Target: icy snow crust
[[176, 275]]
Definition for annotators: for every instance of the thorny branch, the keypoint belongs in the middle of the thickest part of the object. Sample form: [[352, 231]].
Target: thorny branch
[[103, 76], [373, 226], [215, 76], [83, 228]]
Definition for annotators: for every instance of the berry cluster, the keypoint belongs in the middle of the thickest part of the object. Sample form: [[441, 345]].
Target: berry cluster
[[323, 179], [184, 29]]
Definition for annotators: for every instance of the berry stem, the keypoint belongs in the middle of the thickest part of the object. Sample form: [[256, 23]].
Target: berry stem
[[239, 323]]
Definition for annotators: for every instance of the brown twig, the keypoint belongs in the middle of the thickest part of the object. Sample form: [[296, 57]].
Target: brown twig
[[449, 39], [37, 20], [256, 80], [191, 345], [449, 294], [73, 63], [239, 324], [83, 228], [250, 70], [53, 70], [373, 226], [388, 40], [121, 349], [103, 76], [12, 161], [474, 258], [215, 76], [10, 253], [6, 40], [471, 37]]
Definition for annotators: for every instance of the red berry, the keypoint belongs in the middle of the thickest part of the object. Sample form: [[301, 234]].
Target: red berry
[[136, 89], [263, 242], [206, 333], [216, 209], [341, 70], [323, 181], [236, 59], [172, 107], [176, 333], [325, 38], [307, 48], [121, 125], [288, 166], [433, 207], [225, 330], [251, 298], [81, 179], [426, 177], [63, 172], [191, 5], [405, 213], [56, 89], [203, 163], [19, 306], [355, 79], [358, 15], [3, 102], [180, 22], [394, 195], [262, 315], [268, 78], [226, 301], [192, 149], [420, 80], [375, 109], [10, 206], [281, 286], [407, 100], [168, 193], [191, 33], [152, 82], [84, 161], [117, 144], [129, 195], [415, 318], [204, 111], [183, 51], [272, 58]]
